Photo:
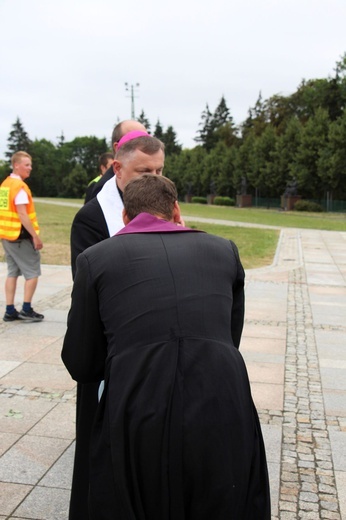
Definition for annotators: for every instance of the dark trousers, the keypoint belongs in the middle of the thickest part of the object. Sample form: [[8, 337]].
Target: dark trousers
[[87, 402]]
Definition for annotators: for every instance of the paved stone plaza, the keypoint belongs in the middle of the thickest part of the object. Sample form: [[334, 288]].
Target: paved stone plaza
[[294, 345]]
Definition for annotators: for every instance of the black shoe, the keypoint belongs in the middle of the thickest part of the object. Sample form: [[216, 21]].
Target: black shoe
[[11, 317], [30, 315]]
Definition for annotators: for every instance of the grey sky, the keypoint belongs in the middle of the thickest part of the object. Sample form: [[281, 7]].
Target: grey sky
[[64, 63]]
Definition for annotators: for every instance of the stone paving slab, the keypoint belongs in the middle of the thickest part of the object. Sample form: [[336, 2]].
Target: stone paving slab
[[30, 458], [294, 347]]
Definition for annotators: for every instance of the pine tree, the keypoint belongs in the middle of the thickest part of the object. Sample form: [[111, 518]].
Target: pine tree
[[142, 118], [169, 138], [158, 132], [61, 139], [205, 136], [256, 120], [18, 140], [222, 114], [217, 127]]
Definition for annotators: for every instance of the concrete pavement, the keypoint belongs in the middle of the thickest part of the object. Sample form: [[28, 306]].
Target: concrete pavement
[[294, 347]]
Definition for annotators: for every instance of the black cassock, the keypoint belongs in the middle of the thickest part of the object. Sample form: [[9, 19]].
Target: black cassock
[[159, 315]]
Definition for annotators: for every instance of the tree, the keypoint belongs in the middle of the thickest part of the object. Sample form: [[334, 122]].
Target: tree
[[271, 174], [285, 153], [326, 93], [216, 127], [18, 139], [190, 166], [5, 170], [225, 180], [224, 128], [61, 139], [263, 175], [256, 121], [142, 118], [313, 142], [332, 161], [221, 115], [158, 132], [244, 163], [193, 169], [278, 110], [46, 179], [205, 134], [85, 151], [213, 169], [169, 138], [75, 183], [173, 169]]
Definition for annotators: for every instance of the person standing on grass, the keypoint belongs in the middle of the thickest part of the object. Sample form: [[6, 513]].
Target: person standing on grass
[[19, 233]]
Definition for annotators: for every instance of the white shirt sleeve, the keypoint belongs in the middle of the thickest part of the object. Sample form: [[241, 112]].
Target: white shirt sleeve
[[21, 198]]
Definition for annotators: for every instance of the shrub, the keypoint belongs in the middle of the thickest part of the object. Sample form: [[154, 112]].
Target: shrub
[[224, 201], [306, 205], [73, 185], [199, 200]]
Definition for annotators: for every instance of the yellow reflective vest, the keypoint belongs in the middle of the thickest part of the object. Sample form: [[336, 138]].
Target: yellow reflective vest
[[94, 180], [10, 224]]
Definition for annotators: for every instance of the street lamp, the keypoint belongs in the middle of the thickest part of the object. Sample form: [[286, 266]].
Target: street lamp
[[130, 88]]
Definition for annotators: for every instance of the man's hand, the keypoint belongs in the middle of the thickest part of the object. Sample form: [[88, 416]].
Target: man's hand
[[26, 222], [37, 243]]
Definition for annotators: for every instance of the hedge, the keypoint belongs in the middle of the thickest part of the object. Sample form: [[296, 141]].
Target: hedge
[[224, 201], [306, 205], [199, 200]]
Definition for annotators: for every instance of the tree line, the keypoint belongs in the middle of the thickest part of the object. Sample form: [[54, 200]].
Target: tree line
[[64, 169], [298, 138]]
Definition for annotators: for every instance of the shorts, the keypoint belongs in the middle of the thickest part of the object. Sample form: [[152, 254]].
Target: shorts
[[22, 258]]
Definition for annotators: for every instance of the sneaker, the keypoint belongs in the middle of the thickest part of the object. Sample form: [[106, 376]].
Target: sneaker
[[11, 317], [30, 315]]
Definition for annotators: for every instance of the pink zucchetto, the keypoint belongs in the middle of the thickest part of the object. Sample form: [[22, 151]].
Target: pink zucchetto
[[131, 135]]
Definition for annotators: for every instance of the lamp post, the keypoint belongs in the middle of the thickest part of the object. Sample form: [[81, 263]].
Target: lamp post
[[131, 89]]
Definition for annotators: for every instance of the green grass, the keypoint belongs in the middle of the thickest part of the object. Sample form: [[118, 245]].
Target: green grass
[[256, 246], [55, 199], [55, 225], [271, 217]]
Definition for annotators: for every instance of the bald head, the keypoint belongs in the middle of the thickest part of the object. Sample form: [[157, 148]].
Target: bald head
[[124, 128]]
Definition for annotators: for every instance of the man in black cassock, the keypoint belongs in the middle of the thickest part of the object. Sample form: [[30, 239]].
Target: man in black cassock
[[158, 311], [97, 220]]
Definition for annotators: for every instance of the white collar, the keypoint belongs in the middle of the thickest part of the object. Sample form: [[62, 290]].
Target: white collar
[[112, 206]]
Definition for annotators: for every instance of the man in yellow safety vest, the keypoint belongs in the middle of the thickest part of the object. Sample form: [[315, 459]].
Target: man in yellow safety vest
[[19, 232]]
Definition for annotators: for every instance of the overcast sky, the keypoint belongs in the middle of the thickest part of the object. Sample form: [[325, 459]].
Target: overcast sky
[[64, 63]]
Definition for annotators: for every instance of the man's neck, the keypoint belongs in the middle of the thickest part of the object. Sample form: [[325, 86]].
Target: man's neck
[[119, 190]]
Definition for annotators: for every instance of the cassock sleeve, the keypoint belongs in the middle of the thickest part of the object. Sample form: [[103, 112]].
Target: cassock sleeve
[[88, 228], [85, 348], [88, 192], [238, 308]]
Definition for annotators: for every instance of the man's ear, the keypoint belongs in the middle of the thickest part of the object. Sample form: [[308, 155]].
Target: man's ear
[[117, 168], [126, 219], [177, 214]]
